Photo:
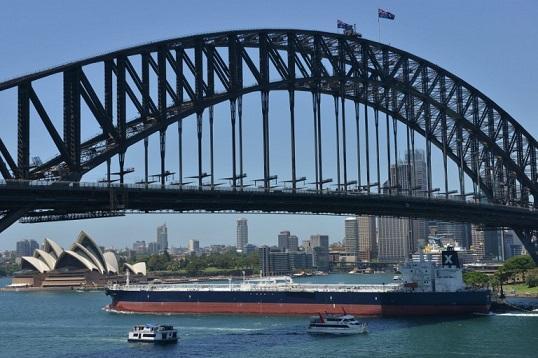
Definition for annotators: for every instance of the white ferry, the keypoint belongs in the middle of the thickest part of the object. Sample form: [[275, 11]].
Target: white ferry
[[150, 333], [345, 324]]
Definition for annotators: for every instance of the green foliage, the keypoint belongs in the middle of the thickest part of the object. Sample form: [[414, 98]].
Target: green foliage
[[532, 278], [476, 279], [229, 262], [518, 264], [158, 262]]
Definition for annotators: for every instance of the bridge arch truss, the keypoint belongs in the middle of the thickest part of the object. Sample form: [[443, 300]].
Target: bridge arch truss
[[169, 80]]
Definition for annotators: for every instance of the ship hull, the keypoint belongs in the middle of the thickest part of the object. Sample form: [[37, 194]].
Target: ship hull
[[302, 303]]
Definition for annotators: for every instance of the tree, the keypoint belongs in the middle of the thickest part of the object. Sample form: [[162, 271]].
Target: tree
[[476, 279], [532, 278], [518, 265]]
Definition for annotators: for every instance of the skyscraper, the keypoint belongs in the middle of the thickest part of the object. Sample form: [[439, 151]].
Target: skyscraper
[[478, 242], [162, 237], [194, 245], [287, 242], [367, 238], [293, 243], [241, 234], [320, 251], [400, 237], [26, 247], [351, 238], [283, 239]]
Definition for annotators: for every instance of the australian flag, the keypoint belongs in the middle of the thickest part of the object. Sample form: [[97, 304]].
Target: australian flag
[[342, 25], [385, 14]]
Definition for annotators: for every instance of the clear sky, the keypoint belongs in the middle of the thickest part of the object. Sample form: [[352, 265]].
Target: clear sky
[[490, 44]]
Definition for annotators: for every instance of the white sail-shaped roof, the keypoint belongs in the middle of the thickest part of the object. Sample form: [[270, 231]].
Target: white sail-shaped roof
[[34, 263], [52, 248], [71, 255], [138, 269], [86, 241], [45, 257], [83, 251], [111, 262]]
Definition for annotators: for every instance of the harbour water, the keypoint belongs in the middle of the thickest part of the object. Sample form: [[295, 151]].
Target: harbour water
[[74, 324]]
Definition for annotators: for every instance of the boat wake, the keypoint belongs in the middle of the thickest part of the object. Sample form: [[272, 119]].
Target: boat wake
[[509, 314]]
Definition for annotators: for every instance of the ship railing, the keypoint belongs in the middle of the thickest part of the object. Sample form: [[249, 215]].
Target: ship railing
[[263, 288]]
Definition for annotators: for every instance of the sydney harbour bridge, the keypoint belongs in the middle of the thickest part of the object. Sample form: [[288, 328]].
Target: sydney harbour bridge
[[352, 106]]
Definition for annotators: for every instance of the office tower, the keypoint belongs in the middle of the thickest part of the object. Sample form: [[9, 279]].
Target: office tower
[[408, 177], [162, 237], [393, 239], [293, 243], [283, 239], [241, 234], [459, 232], [153, 248], [139, 247], [194, 245], [26, 247], [478, 242], [320, 251], [263, 253], [367, 238], [351, 236]]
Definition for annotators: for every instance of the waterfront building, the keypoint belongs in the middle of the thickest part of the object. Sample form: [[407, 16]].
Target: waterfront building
[[194, 245], [241, 234], [274, 262], [84, 264], [162, 238], [320, 251], [26, 247], [264, 258]]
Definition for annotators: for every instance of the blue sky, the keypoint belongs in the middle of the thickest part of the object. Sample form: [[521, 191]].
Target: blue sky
[[490, 44]]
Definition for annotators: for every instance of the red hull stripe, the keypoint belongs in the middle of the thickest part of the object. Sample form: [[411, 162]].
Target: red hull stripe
[[295, 308]]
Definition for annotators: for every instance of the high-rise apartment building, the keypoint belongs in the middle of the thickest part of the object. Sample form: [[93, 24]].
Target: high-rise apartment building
[[241, 234], [194, 246], [139, 247]]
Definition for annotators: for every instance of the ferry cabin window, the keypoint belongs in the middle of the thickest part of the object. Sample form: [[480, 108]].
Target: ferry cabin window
[[147, 335]]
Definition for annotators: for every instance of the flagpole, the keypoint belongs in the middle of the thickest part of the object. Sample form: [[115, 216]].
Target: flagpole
[[378, 29]]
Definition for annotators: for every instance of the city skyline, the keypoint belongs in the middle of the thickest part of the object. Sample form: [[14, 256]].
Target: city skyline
[[429, 40]]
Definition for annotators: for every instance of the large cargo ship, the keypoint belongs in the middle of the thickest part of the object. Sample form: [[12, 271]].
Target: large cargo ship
[[424, 288]]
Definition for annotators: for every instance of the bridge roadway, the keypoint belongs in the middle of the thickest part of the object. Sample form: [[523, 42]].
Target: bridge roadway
[[60, 198]]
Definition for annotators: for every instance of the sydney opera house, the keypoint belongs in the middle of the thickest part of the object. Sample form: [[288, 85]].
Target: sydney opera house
[[83, 265]]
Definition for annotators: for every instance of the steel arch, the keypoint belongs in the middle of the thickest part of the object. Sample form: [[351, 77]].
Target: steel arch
[[484, 141]]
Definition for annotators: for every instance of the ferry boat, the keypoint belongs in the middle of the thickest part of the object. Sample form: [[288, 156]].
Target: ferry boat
[[344, 324], [150, 333], [425, 288]]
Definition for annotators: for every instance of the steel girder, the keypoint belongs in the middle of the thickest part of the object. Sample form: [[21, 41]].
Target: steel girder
[[495, 151]]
